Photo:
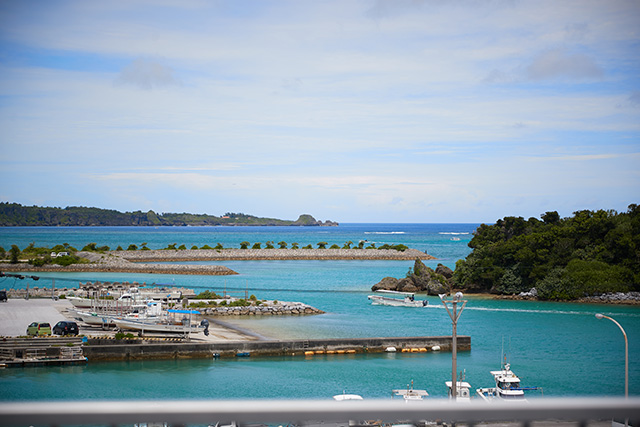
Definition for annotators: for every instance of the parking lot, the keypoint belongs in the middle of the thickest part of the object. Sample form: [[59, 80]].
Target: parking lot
[[16, 314]]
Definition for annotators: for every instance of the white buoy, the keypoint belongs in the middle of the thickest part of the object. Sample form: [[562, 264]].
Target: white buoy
[[435, 348], [390, 350]]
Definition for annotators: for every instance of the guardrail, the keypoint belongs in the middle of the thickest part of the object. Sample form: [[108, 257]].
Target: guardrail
[[583, 411]]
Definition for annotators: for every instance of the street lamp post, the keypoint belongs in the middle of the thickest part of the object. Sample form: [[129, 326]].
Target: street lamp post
[[455, 315], [626, 353]]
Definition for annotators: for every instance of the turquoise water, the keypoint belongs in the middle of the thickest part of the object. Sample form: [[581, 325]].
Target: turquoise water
[[560, 347]]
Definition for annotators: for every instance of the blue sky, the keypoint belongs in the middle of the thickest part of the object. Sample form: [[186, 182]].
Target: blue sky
[[354, 111]]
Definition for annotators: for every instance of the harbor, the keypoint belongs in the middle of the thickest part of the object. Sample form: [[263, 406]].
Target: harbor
[[561, 347], [222, 340]]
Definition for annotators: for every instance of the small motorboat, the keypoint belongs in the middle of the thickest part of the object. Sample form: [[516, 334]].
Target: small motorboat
[[407, 299]]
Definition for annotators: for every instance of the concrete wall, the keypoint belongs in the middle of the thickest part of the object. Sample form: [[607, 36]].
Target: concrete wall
[[133, 349]]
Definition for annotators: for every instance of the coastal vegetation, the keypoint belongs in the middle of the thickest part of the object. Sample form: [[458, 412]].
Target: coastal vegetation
[[588, 254], [211, 299], [14, 214], [65, 255]]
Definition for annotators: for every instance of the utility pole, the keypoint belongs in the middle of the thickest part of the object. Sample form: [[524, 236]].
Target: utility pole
[[455, 315]]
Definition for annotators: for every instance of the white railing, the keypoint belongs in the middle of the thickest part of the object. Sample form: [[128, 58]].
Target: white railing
[[300, 412]]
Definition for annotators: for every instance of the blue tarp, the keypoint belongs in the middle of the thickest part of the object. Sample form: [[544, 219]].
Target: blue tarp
[[184, 311]]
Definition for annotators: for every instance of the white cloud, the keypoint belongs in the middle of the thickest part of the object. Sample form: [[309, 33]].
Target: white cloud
[[147, 74], [559, 63], [374, 108]]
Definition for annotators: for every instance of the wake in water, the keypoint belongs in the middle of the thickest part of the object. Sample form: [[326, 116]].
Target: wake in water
[[384, 232], [524, 310]]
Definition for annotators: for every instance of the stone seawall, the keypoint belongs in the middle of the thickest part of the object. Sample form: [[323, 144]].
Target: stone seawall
[[170, 255], [142, 261], [284, 309], [124, 267], [339, 347]]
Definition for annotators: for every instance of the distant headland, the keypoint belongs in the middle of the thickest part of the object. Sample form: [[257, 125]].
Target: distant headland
[[16, 215]]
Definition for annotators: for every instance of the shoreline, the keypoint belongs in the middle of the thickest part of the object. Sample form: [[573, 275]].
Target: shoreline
[[142, 261]]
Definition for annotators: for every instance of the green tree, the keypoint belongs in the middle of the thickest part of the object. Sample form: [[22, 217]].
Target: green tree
[[269, 245], [282, 244], [244, 245], [256, 245], [90, 247], [322, 245], [294, 245], [347, 245], [14, 254]]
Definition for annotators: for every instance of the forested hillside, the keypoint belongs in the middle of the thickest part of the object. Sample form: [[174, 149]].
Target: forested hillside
[[14, 214], [591, 253]]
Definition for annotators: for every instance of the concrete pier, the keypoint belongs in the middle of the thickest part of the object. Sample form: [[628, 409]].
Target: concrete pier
[[102, 349]]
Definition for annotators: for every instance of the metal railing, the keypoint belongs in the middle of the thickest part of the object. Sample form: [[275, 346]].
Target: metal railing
[[582, 411]]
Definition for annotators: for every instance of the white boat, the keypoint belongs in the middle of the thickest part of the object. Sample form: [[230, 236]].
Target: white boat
[[410, 394], [507, 387], [165, 323], [407, 299], [344, 396], [79, 302], [462, 389], [92, 318], [105, 317]]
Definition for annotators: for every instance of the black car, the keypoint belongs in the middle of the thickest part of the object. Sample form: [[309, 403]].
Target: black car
[[3, 296], [66, 327]]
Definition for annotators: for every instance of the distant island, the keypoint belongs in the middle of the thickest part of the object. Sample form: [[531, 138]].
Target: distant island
[[16, 215]]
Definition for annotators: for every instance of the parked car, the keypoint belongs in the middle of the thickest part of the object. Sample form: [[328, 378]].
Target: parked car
[[39, 328], [3, 296], [66, 327]]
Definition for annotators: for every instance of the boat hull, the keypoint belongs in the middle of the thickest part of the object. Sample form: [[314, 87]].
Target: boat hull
[[395, 302], [136, 325]]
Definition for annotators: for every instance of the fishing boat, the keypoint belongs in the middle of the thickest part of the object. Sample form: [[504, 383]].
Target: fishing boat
[[346, 396], [93, 318], [462, 389], [407, 299], [410, 394], [507, 387], [162, 324]]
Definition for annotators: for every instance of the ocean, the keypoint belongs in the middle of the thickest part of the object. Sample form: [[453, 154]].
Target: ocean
[[559, 347]]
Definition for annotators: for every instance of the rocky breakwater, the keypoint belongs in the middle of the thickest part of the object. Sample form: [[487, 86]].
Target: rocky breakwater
[[264, 309], [114, 262], [420, 279], [171, 255]]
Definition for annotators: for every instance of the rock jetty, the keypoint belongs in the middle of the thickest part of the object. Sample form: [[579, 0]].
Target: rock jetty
[[268, 309], [420, 279], [142, 261], [171, 255]]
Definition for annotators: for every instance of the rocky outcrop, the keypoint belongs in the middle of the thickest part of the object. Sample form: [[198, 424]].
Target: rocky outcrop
[[308, 220], [420, 279]]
